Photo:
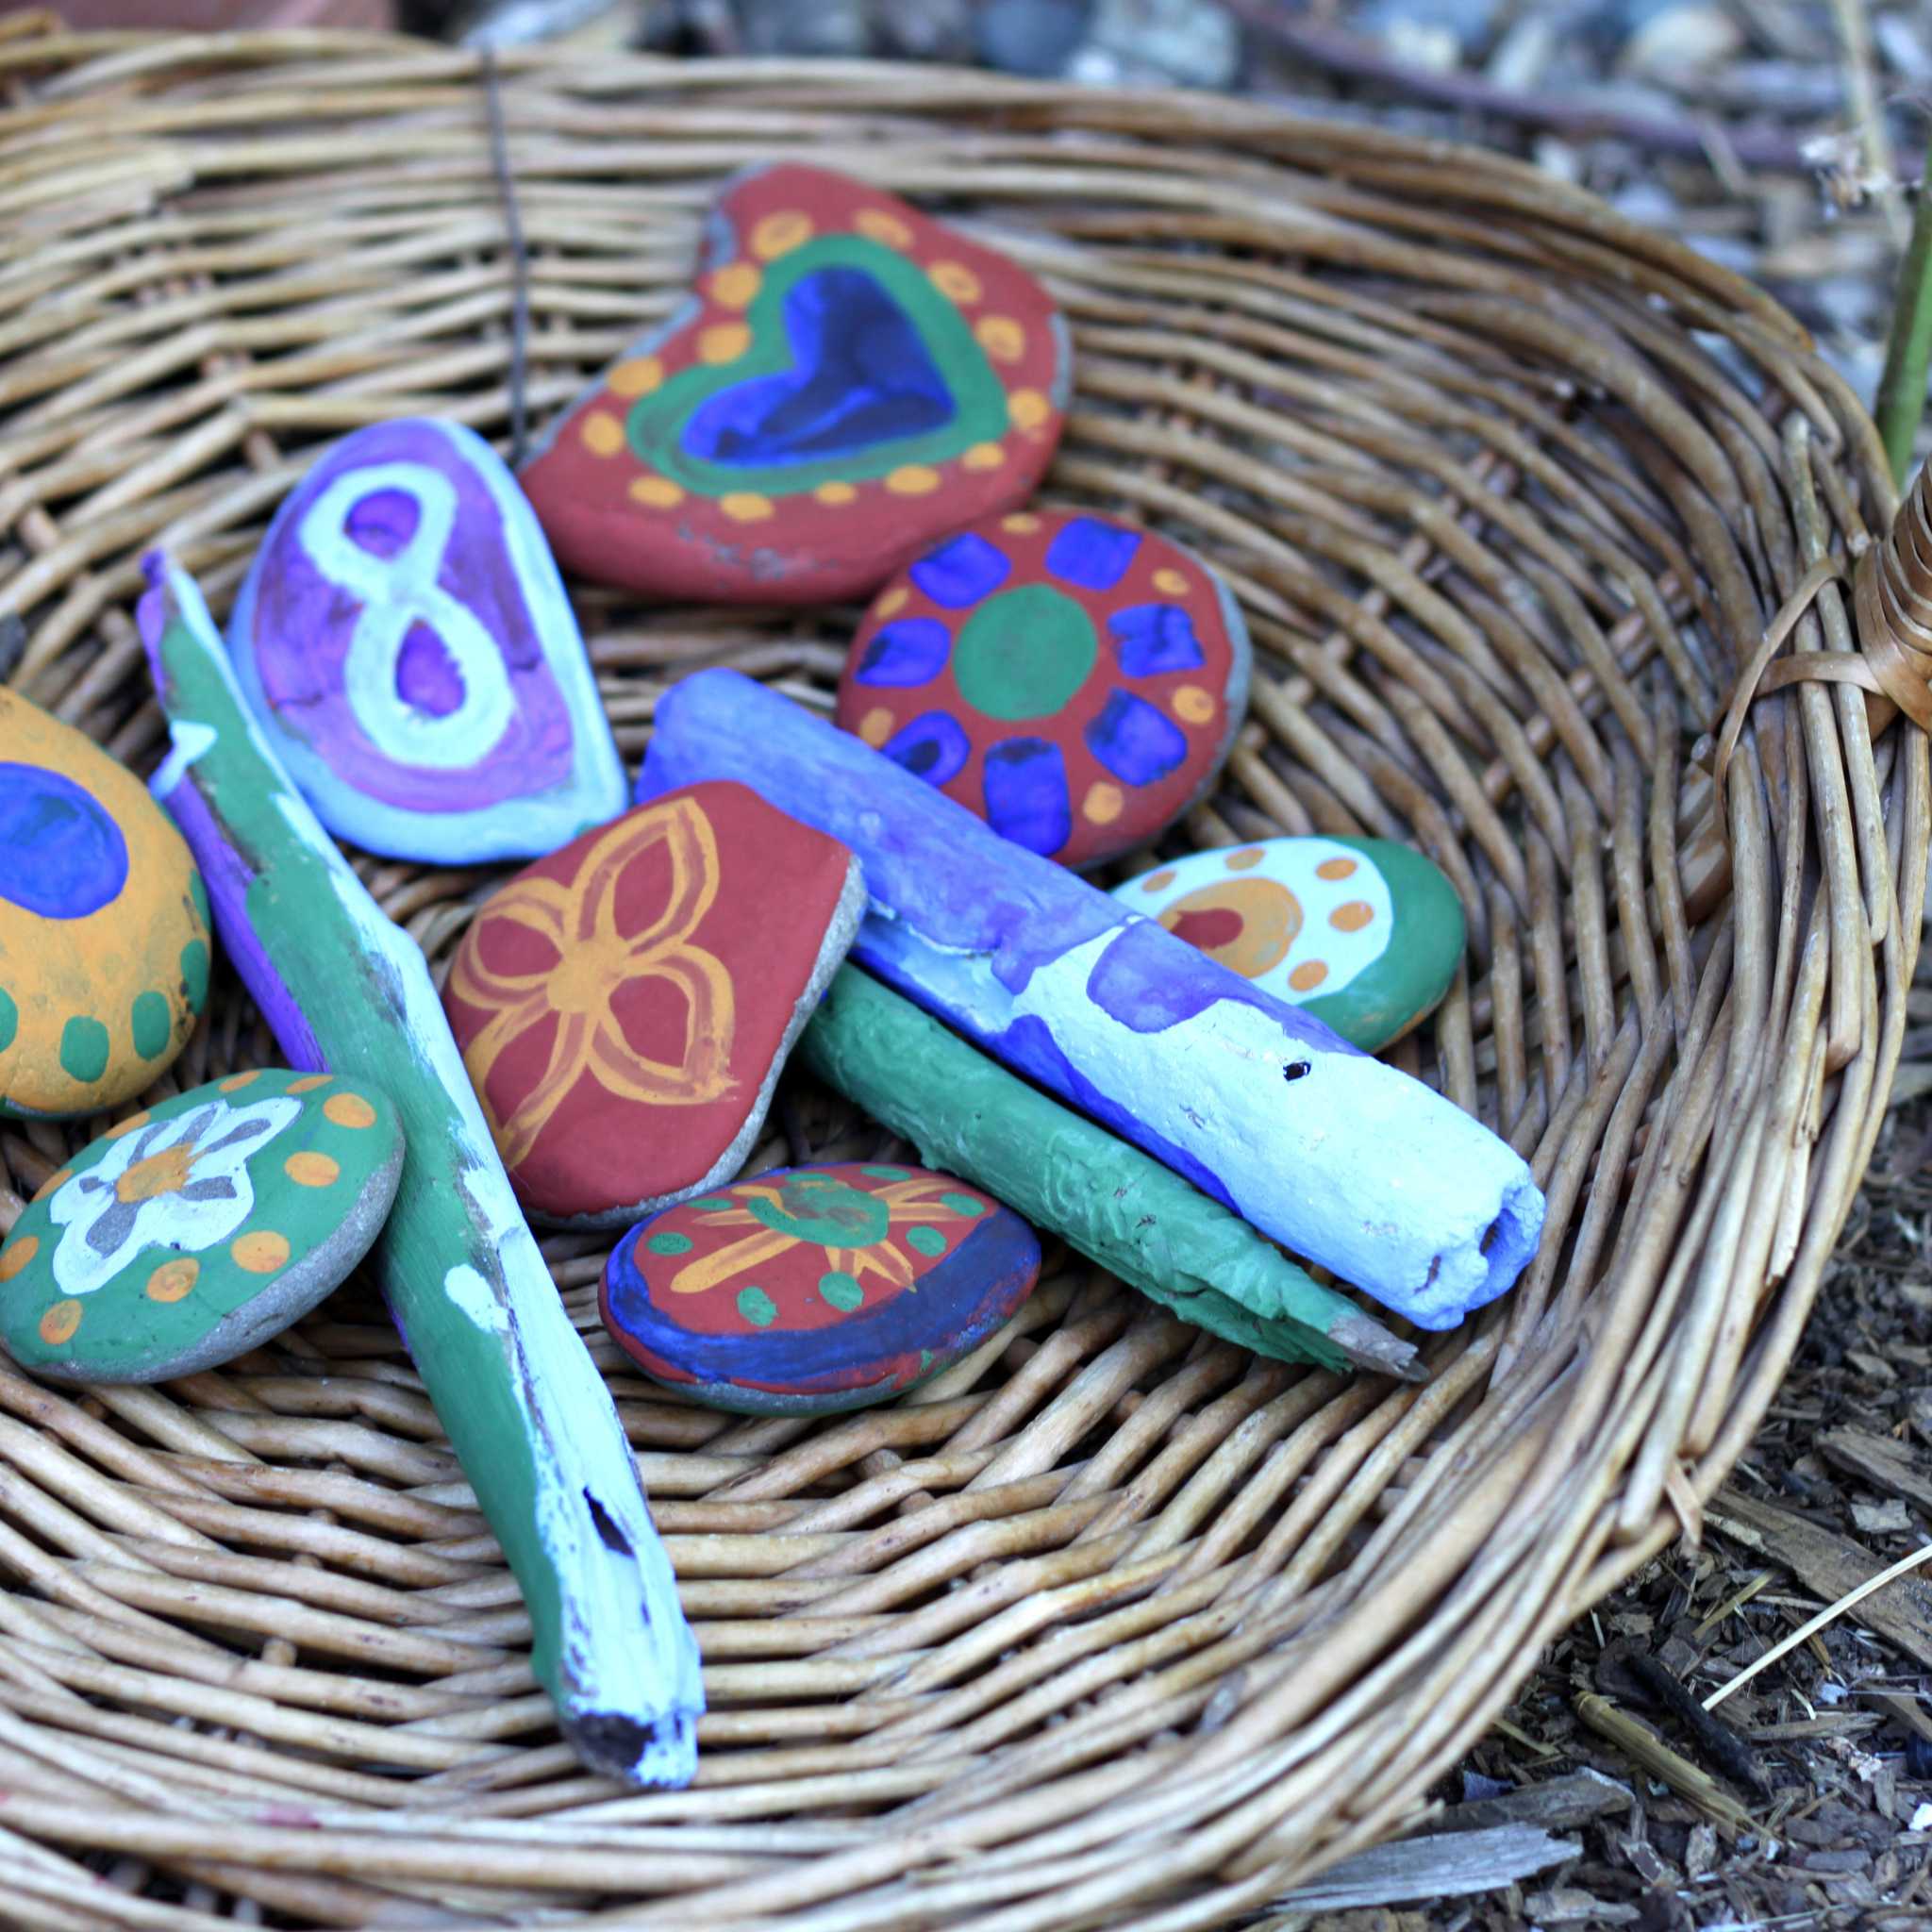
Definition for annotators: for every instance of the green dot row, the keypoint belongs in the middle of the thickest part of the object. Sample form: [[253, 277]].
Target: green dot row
[[85, 1042]]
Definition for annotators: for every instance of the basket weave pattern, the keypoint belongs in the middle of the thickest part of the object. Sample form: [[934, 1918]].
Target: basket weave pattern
[[1112, 1620]]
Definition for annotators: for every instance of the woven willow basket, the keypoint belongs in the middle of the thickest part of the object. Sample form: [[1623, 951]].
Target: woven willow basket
[[1112, 1623]]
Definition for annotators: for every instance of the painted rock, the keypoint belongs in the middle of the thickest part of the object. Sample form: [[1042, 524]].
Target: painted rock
[[808, 1289], [405, 639], [624, 1006], [1362, 933], [104, 924], [848, 380], [1073, 681], [193, 1232]]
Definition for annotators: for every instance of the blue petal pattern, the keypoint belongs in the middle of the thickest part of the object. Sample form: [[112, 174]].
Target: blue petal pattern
[[1152, 638], [1137, 743], [913, 651]]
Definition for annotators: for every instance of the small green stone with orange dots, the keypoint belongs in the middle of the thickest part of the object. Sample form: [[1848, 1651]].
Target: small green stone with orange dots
[[190, 1233]]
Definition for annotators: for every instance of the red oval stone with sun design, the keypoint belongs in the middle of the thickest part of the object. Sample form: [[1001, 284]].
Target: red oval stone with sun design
[[848, 379], [808, 1289], [623, 1005], [1074, 681]]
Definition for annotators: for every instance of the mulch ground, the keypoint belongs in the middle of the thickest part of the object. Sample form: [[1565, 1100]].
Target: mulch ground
[[1816, 1811]]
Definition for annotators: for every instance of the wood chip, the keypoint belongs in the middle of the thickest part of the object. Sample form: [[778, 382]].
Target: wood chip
[[1831, 1565], [1558, 1804], [1879, 1460], [1443, 1865]]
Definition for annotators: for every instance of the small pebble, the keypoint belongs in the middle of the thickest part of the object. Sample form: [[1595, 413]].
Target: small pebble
[[189, 1234], [808, 1289]]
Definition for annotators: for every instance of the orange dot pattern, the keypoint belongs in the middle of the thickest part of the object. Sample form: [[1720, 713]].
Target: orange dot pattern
[[724, 343], [735, 284], [235, 1082], [309, 1082], [603, 434], [1001, 337], [1335, 869], [311, 1170], [1248, 856], [16, 1254], [260, 1252], [1352, 917], [1102, 804], [61, 1322], [349, 1110], [1307, 976], [172, 1280], [637, 376], [781, 233], [955, 281]]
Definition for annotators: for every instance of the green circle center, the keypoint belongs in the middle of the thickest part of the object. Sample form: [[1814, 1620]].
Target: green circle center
[[1024, 653], [812, 1208]]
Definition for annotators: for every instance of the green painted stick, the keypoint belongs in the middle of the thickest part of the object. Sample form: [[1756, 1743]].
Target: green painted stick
[[529, 1417], [1908, 346], [967, 1115]]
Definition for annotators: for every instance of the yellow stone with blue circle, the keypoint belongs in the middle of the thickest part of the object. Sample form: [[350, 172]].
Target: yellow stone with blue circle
[[105, 947]]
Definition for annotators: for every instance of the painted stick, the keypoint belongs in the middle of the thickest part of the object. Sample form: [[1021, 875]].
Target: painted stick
[[530, 1419], [1346, 1162], [968, 1116]]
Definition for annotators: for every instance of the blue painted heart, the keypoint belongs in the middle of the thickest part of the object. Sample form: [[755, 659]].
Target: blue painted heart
[[860, 376]]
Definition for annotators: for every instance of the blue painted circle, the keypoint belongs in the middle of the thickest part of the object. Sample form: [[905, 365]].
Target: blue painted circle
[[65, 855]]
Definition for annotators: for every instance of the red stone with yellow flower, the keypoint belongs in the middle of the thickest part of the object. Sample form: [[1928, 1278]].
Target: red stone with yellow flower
[[624, 1006]]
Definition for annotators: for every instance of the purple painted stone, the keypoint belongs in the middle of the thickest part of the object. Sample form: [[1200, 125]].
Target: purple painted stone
[[406, 642]]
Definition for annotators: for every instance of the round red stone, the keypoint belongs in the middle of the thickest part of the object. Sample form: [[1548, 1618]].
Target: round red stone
[[1074, 681]]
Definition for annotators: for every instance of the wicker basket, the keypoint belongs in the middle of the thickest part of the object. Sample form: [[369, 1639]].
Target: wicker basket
[[1113, 1621]]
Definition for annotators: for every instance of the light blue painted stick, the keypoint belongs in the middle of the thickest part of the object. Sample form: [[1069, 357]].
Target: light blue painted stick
[[1348, 1163]]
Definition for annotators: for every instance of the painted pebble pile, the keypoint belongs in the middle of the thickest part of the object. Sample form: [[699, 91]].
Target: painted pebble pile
[[104, 924], [853, 398], [848, 380], [189, 1234], [810, 1290], [1074, 681], [1363, 934]]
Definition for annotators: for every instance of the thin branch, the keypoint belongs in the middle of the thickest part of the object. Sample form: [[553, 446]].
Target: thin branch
[[1829, 1614], [1908, 346], [519, 260], [1360, 58]]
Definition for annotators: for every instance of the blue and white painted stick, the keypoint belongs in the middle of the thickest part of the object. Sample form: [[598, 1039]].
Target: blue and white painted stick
[[1348, 1163]]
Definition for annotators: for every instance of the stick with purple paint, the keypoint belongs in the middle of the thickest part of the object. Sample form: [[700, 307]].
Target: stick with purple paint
[[347, 990]]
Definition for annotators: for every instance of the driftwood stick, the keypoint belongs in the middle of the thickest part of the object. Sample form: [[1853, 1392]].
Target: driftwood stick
[[346, 990], [1342, 1160]]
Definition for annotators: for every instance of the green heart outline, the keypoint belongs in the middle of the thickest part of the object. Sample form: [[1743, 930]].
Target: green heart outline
[[657, 422]]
